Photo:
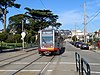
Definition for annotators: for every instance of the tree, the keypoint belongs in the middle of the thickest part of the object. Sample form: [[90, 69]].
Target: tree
[[46, 17], [1, 15], [15, 23], [57, 25], [34, 20], [4, 4], [3, 36], [74, 38]]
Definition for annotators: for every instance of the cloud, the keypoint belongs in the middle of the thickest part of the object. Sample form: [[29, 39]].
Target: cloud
[[70, 17]]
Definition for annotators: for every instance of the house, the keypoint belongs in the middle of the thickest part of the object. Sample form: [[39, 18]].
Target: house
[[79, 34]]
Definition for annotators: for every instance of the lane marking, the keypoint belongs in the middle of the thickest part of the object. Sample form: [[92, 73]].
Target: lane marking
[[23, 70], [94, 63], [95, 72], [41, 63], [22, 63], [70, 63]]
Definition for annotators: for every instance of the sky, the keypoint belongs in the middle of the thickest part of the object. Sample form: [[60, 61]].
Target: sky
[[70, 12]]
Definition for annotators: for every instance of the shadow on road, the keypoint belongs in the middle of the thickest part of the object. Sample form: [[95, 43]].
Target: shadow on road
[[62, 50]]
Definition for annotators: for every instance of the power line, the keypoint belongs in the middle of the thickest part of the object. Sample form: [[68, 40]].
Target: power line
[[42, 4], [93, 16], [97, 13]]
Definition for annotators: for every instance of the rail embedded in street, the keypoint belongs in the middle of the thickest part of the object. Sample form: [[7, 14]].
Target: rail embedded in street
[[26, 65], [45, 67], [17, 59]]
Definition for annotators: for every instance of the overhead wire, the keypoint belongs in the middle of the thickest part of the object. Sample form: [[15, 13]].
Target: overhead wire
[[96, 14], [43, 4], [93, 16]]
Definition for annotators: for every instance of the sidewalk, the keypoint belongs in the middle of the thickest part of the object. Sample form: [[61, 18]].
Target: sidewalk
[[64, 70], [94, 49]]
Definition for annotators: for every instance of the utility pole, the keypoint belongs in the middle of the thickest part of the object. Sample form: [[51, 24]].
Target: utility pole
[[85, 22], [75, 33]]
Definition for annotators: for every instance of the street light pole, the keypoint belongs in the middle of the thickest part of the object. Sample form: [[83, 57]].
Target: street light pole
[[22, 25], [22, 34]]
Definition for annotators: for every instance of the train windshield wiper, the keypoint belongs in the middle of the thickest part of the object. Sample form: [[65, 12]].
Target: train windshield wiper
[[44, 41]]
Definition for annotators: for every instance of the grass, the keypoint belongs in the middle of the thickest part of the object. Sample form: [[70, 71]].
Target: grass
[[4, 45], [9, 45]]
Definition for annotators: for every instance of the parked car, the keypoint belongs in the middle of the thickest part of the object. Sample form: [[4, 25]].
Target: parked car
[[78, 44], [72, 43], [75, 43], [84, 46]]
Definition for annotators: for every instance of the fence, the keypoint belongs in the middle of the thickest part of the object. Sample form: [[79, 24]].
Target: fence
[[81, 65], [77, 56], [83, 69]]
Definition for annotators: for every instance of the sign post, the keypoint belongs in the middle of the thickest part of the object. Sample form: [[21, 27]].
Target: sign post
[[23, 34]]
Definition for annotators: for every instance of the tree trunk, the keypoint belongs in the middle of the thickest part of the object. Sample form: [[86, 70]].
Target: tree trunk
[[4, 23]]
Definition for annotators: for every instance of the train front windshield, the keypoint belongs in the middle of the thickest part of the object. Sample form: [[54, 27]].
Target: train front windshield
[[47, 39]]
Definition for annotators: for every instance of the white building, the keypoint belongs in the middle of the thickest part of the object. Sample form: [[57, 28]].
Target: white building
[[79, 34]]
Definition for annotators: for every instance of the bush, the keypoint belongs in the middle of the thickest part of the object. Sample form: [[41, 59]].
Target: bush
[[3, 36], [14, 38], [74, 38]]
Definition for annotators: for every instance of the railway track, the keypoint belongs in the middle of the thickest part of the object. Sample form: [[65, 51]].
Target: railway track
[[15, 56], [42, 72], [15, 59], [5, 63], [26, 65]]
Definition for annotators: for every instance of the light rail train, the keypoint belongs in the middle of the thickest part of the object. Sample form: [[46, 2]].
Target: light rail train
[[50, 42]]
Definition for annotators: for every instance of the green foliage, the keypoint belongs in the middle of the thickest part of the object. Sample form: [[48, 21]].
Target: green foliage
[[10, 45], [28, 38], [34, 20], [74, 38], [3, 36], [13, 38], [9, 3], [32, 39], [4, 4]]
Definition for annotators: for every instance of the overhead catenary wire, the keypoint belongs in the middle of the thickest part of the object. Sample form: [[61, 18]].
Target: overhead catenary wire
[[96, 14], [93, 17], [43, 4]]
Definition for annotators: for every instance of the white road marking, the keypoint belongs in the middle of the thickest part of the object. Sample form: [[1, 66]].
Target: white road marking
[[70, 63], [24, 63], [94, 64], [23, 70], [37, 71], [95, 72]]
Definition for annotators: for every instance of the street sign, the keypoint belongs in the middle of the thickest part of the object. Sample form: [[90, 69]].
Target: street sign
[[23, 34]]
